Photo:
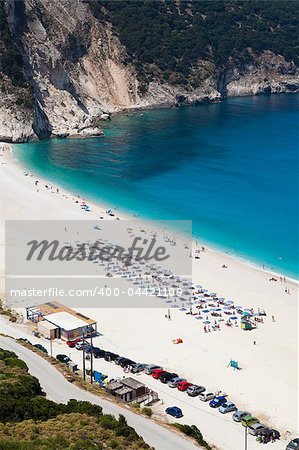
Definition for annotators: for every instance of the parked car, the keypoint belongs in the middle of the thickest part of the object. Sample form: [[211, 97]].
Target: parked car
[[249, 420], [227, 407], [118, 359], [41, 348], [183, 385], [195, 390], [126, 362], [293, 445], [238, 416], [217, 401], [138, 367], [173, 383], [150, 368], [206, 396], [157, 373], [80, 345], [63, 358], [98, 353], [110, 356], [167, 376], [88, 349], [174, 411], [255, 428], [73, 343]]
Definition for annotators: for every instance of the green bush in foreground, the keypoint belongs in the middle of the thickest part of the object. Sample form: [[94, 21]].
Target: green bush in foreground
[[29, 421], [193, 432], [147, 411]]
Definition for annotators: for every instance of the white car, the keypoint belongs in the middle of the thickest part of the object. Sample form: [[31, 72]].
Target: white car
[[206, 396], [80, 345], [255, 428], [151, 367]]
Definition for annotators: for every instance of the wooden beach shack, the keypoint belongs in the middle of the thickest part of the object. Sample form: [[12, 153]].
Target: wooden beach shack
[[129, 390], [57, 321]]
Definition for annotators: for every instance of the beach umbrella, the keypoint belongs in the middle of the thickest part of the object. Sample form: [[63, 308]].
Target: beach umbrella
[[221, 299], [234, 318], [226, 308], [218, 309], [229, 302], [198, 317], [206, 311], [206, 322], [183, 309], [238, 307]]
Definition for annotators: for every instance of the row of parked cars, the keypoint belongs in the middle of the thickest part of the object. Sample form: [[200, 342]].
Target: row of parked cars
[[215, 401], [173, 380]]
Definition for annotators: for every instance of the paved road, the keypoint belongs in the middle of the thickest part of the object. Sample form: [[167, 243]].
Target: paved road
[[60, 390]]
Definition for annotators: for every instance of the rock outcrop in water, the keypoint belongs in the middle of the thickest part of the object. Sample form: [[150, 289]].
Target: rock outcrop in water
[[76, 71]]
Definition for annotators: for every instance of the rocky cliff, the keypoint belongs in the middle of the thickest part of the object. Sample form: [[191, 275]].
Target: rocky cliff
[[77, 69]]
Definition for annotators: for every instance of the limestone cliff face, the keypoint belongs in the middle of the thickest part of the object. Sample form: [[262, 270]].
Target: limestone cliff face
[[73, 64], [267, 74], [78, 70], [16, 118]]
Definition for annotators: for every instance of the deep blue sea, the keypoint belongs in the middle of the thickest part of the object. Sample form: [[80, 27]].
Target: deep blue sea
[[231, 167]]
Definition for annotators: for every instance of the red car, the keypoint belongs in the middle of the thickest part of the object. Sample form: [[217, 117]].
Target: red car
[[183, 385], [157, 373], [72, 344]]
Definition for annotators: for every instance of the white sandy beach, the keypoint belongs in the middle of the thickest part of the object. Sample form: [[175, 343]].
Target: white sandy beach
[[267, 385]]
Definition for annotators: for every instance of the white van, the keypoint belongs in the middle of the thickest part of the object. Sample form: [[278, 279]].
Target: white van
[[206, 396]]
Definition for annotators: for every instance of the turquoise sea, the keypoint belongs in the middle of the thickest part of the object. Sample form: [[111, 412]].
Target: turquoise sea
[[231, 167]]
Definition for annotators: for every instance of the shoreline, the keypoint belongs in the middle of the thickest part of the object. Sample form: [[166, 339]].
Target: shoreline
[[121, 214], [125, 111]]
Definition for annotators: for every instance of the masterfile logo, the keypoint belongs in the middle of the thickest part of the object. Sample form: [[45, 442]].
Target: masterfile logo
[[96, 251]]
